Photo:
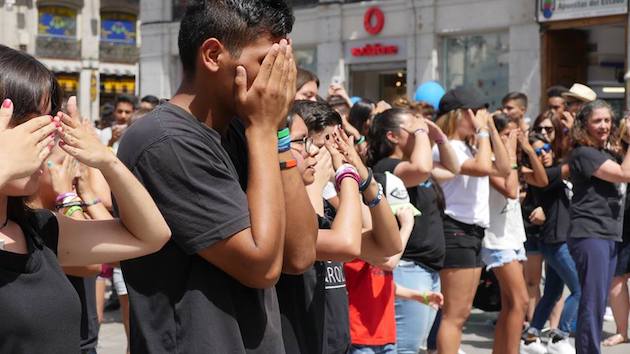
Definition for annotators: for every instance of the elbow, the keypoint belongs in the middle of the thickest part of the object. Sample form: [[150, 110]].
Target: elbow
[[455, 169], [298, 265], [387, 266], [350, 251], [264, 281], [159, 239], [512, 195]]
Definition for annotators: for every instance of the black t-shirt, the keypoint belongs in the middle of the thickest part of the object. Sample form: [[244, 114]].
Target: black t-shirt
[[426, 243], [626, 220], [314, 305], [597, 205], [302, 300], [86, 290], [554, 200], [39, 310], [181, 303]]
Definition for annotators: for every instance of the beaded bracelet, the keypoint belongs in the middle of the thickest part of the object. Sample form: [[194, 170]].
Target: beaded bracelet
[[78, 203], [92, 203], [72, 210], [379, 196]]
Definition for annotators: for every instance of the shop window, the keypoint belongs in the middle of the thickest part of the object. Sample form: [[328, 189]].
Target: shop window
[[69, 83], [480, 61], [57, 21], [112, 86], [118, 28]]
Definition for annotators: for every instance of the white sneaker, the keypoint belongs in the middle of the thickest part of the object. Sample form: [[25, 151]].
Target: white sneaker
[[608, 316], [535, 347], [562, 346]]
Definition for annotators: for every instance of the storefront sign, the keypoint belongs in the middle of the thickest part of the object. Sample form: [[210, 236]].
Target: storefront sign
[[374, 50], [555, 10], [371, 51], [57, 21], [374, 20], [118, 28]]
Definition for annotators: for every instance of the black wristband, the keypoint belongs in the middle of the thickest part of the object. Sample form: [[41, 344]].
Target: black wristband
[[366, 183]]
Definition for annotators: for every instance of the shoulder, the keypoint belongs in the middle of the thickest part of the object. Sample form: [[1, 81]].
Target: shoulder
[[386, 165], [45, 226]]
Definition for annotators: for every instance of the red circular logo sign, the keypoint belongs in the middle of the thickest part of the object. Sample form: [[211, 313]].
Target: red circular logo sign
[[374, 20]]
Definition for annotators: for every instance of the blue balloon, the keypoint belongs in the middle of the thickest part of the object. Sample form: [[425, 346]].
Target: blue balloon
[[355, 99], [430, 92]]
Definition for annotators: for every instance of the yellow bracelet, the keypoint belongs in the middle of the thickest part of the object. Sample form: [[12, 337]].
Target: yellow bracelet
[[425, 298], [72, 210]]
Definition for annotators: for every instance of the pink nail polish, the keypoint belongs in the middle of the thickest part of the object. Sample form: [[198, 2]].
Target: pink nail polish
[[6, 103]]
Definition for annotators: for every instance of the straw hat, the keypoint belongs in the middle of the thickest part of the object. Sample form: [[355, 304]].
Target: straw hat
[[581, 92]]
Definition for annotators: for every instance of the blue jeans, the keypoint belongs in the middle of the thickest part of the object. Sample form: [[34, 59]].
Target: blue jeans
[[413, 319], [560, 270], [373, 349], [596, 259]]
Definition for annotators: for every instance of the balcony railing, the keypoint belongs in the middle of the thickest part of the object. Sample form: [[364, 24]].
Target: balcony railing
[[58, 47], [118, 53]]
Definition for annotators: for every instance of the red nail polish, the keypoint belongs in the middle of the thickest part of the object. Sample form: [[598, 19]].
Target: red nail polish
[[6, 103], [61, 143]]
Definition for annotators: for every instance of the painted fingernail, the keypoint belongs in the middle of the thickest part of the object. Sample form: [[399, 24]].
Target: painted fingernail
[[61, 143], [6, 103]]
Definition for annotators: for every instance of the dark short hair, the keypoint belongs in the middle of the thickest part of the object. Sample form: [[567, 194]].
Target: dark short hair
[[501, 120], [316, 115], [151, 99], [125, 99], [515, 96], [233, 22], [556, 91], [361, 113], [304, 76]]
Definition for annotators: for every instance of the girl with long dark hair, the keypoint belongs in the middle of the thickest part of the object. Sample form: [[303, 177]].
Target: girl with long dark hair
[[400, 143], [40, 309]]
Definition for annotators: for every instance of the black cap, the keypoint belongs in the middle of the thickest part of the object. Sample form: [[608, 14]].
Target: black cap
[[461, 97]]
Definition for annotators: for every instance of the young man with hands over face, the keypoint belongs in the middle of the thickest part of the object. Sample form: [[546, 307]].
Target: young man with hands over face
[[210, 289]]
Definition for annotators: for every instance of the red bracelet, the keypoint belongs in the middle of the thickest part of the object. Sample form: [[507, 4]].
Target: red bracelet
[[288, 164]]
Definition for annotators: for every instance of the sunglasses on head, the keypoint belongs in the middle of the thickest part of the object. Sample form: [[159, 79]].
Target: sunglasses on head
[[545, 148], [548, 130]]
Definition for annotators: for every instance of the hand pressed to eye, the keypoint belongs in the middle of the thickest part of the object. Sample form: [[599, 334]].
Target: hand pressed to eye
[[266, 103], [79, 141], [24, 148], [345, 145]]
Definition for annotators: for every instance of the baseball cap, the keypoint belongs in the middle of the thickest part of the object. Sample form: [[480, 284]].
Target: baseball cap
[[461, 97], [395, 192]]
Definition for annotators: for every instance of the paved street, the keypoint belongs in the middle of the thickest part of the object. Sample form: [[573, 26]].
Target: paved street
[[477, 336]]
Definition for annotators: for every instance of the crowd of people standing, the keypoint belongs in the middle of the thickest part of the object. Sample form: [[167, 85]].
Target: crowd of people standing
[[248, 214]]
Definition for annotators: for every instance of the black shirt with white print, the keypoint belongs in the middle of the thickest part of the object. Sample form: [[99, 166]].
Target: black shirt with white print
[[182, 303]]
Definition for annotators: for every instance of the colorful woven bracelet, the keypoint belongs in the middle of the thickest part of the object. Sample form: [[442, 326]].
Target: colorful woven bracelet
[[283, 133], [288, 164]]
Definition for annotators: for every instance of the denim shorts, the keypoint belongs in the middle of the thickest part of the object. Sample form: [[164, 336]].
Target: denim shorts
[[497, 258]]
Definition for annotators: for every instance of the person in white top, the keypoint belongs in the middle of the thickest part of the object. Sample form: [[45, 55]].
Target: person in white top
[[503, 248], [467, 123]]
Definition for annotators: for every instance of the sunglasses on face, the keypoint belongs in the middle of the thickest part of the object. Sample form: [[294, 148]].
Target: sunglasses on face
[[539, 129], [546, 148]]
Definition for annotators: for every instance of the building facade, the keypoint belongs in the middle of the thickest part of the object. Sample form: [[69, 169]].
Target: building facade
[[385, 49], [91, 46]]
